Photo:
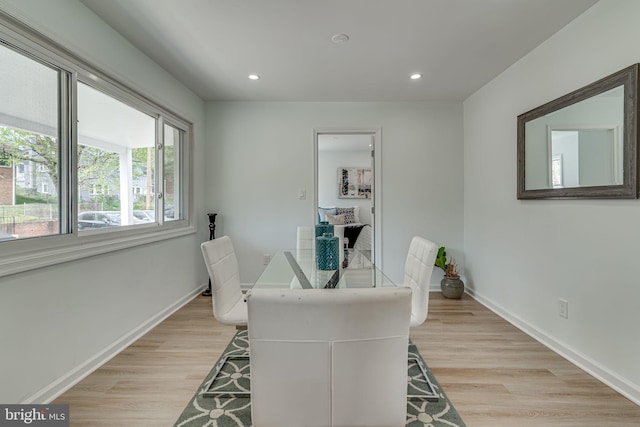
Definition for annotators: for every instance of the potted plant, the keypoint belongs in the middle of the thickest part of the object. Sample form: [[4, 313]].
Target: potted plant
[[451, 284]]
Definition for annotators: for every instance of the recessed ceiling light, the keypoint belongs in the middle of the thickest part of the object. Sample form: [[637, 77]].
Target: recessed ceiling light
[[254, 77], [416, 76], [340, 38]]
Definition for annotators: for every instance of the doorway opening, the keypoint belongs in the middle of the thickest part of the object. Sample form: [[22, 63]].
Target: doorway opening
[[347, 185]]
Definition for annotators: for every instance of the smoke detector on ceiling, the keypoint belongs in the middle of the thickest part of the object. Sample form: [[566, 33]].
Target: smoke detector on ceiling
[[340, 38]]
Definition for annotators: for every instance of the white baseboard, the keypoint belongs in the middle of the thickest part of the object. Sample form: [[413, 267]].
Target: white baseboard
[[621, 385], [71, 378]]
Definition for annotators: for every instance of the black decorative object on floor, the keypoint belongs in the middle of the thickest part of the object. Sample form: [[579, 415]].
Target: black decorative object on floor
[[212, 235]]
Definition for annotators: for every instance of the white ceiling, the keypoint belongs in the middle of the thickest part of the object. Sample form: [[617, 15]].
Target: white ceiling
[[458, 45]]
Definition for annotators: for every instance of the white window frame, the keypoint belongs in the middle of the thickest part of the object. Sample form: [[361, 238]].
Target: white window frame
[[32, 253]]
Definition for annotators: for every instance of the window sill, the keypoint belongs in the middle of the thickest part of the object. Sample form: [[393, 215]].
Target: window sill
[[20, 256]]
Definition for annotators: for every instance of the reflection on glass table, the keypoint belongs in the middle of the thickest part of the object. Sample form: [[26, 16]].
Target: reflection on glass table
[[297, 269]]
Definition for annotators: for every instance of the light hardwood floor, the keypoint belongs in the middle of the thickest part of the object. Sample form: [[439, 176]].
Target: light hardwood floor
[[494, 374]]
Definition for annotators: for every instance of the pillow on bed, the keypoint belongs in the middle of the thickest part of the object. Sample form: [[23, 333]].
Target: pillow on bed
[[336, 219], [322, 213], [349, 214], [356, 214]]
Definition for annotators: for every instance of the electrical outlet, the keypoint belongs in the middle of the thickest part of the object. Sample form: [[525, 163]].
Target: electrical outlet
[[563, 308], [266, 258]]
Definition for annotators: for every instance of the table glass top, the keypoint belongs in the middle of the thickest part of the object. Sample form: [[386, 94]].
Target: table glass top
[[297, 269]]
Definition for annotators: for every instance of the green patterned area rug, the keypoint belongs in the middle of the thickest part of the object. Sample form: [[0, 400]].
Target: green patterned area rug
[[428, 405]]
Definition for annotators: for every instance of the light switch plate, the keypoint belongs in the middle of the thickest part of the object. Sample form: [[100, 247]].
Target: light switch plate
[[563, 308]]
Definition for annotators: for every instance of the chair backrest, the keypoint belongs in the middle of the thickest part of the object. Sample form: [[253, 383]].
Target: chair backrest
[[364, 242], [306, 237], [417, 275], [329, 357], [222, 265]]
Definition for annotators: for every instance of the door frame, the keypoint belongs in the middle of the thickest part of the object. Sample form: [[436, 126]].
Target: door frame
[[376, 215]]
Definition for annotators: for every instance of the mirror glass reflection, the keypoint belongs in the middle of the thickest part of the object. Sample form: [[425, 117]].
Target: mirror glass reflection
[[577, 146]]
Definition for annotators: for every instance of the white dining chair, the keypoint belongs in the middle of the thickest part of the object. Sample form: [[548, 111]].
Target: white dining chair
[[305, 237], [417, 276], [229, 306], [329, 357]]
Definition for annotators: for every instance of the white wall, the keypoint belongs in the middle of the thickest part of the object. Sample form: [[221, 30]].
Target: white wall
[[58, 322], [260, 154], [521, 256], [328, 164]]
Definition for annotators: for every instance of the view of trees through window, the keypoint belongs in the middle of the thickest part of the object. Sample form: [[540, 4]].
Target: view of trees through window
[[29, 147], [99, 186], [118, 156], [116, 162], [29, 184]]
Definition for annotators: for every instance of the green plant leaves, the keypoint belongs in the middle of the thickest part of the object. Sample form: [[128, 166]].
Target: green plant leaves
[[441, 259]]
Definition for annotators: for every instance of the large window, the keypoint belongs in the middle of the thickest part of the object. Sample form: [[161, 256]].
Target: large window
[[82, 158]]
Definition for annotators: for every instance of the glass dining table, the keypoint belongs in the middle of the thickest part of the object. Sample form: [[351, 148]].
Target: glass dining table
[[296, 268]]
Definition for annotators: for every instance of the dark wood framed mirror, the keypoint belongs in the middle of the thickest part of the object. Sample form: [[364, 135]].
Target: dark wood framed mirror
[[583, 144]]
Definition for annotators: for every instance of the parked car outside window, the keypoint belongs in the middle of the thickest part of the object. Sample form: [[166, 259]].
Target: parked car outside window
[[97, 220], [140, 217]]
